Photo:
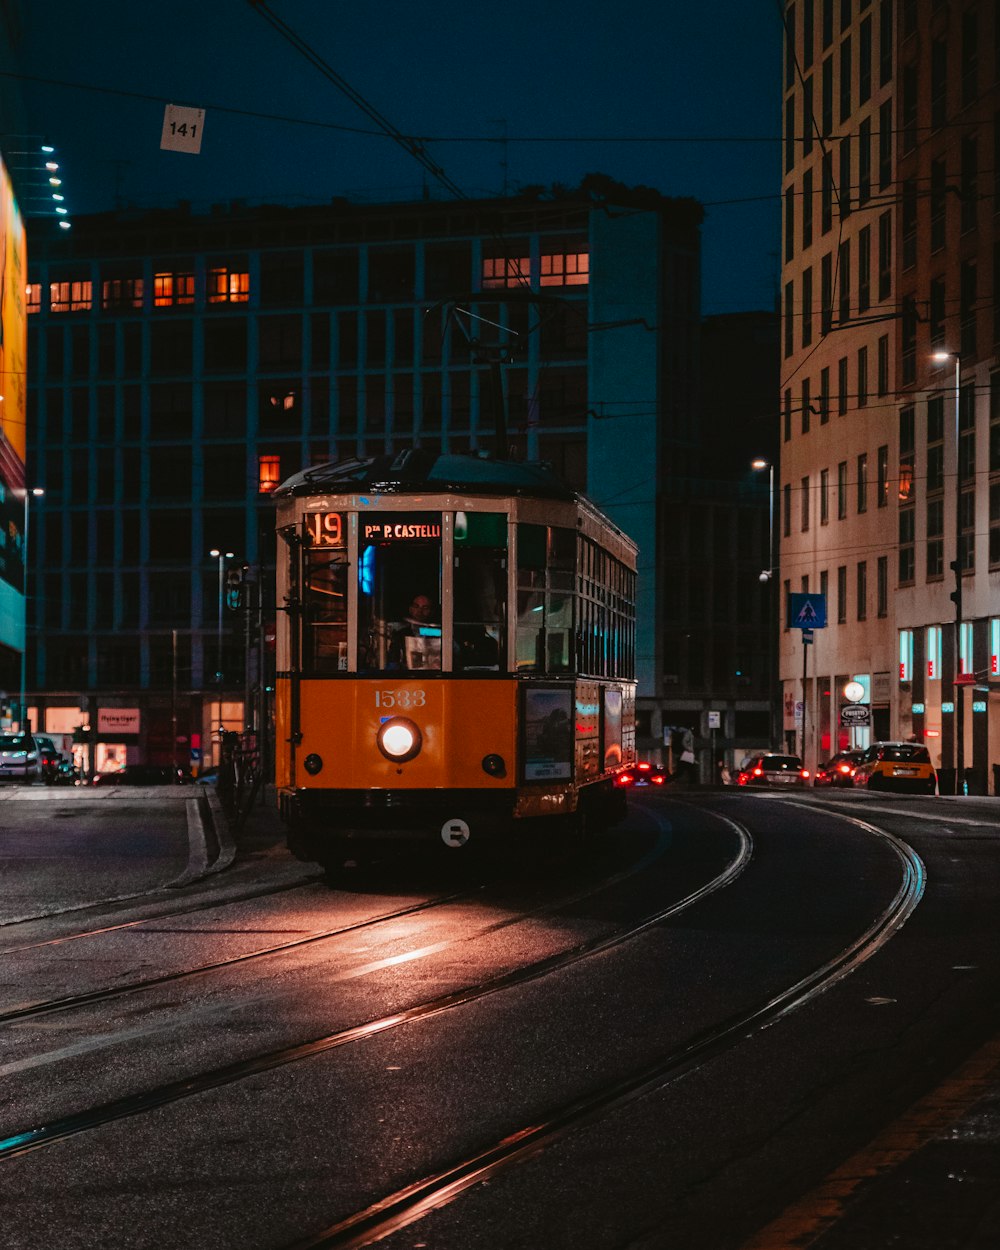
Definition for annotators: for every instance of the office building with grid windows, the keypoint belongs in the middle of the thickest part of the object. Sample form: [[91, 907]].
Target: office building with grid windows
[[183, 364]]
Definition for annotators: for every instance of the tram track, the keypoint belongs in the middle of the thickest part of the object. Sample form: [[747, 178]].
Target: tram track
[[93, 997], [135, 1104], [411, 1203], [207, 904]]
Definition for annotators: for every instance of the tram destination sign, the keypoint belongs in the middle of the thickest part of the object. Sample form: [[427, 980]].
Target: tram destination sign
[[855, 714], [402, 527]]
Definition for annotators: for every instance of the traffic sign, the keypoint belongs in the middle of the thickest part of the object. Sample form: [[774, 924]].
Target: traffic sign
[[806, 611], [855, 714]]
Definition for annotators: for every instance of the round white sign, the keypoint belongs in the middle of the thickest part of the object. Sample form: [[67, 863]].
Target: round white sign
[[455, 832], [854, 691]]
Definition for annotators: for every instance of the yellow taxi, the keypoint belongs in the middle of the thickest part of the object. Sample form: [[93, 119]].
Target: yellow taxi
[[904, 766]]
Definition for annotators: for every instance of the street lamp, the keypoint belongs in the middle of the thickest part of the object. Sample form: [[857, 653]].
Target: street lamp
[[37, 492], [957, 689], [770, 574], [222, 557]]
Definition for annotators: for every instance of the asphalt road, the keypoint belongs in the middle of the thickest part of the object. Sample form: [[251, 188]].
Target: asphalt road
[[674, 1042]]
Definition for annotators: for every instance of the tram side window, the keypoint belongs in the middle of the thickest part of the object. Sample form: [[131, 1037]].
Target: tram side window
[[399, 592], [606, 614], [480, 588], [546, 560], [324, 640]]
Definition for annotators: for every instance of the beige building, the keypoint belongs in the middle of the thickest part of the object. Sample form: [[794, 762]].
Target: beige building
[[890, 395]]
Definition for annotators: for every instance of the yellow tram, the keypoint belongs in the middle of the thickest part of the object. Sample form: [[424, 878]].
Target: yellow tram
[[455, 655]]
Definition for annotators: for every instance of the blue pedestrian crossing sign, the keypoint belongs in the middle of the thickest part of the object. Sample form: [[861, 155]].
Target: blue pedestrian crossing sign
[[806, 611]]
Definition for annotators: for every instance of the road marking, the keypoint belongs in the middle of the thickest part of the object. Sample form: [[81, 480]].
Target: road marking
[[802, 1224]]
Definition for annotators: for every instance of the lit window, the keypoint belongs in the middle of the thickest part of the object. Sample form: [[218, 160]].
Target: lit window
[[268, 474], [33, 297], [965, 647], [121, 293], [173, 288], [905, 654], [995, 647], [71, 296], [566, 269], [228, 286], [934, 652], [506, 271], [59, 296]]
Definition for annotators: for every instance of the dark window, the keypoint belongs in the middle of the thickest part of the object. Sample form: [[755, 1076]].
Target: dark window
[[335, 277], [939, 83]]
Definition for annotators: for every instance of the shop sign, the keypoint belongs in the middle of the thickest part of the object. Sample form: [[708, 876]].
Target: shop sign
[[118, 720]]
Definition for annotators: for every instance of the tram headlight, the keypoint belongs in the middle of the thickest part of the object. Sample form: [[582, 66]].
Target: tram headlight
[[399, 739]]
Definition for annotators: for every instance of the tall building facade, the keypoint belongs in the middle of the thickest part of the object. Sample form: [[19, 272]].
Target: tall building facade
[[182, 365], [21, 162], [889, 500]]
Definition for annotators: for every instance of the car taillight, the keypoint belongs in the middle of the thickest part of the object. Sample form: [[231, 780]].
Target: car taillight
[[643, 768], [624, 779], [758, 772], [805, 773], [845, 768], [742, 779], [657, 780]]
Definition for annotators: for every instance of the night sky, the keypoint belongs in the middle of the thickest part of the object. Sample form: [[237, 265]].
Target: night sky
[[574, 86]]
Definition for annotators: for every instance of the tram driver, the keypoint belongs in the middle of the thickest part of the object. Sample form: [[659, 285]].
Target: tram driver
[[416, 644]]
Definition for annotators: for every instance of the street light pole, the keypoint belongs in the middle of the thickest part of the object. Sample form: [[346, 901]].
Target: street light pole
[[23, 710], [770, 575], [222, 556], [957, 565]]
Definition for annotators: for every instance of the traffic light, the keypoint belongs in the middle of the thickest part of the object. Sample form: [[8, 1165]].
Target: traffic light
[[234, 590]]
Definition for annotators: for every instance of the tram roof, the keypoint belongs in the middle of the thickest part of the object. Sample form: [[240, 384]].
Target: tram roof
[[418, 470]]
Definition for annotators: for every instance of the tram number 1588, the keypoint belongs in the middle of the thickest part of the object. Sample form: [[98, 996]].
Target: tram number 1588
[[400, 698]]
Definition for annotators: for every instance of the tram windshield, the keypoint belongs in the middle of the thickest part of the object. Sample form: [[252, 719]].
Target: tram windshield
[[399, 591]]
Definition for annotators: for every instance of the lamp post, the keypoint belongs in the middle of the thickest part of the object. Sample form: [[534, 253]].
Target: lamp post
[[957, 688], [222, 557], [37, 492], [770, 575]]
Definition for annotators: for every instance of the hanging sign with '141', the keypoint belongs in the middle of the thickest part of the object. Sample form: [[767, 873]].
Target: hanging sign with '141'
[[182, 129]]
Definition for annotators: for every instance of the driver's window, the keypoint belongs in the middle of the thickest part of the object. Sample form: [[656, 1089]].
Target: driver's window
[[399, 591]]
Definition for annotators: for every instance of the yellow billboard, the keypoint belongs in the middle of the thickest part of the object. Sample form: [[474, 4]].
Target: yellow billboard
[[13, 323]]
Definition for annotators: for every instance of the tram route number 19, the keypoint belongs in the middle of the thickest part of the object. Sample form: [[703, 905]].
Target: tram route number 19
[[325, 529], [400, 698]]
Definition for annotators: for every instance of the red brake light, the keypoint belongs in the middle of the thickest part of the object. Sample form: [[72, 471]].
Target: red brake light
[[624, 779], [805, 772], [657, 779], [643, 767], [758, 771], [845, 768]]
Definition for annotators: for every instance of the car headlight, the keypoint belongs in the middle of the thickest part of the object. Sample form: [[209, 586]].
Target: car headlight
[[399, 739]]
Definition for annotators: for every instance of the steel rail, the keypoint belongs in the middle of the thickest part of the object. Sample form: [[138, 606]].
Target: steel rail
[[201, 905], [413, 1202], [135, 1104], [72, 1001]]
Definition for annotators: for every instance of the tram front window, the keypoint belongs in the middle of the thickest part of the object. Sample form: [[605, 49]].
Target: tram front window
[[480, 591], [325, 633], [399, 592]]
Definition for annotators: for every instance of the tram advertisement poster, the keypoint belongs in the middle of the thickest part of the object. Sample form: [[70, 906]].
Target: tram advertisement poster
[[548, 734]]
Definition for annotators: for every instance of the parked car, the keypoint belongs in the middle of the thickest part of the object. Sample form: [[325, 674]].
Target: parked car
[[838, 770], [780, 771], [641, 774], [144, 775], [19, 758], [49, 756], [903, 766]]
